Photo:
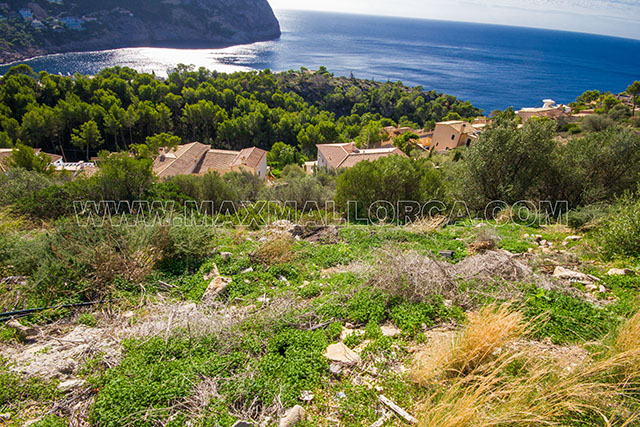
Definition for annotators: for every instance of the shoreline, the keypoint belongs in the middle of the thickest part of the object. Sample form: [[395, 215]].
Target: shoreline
[[179, 45]]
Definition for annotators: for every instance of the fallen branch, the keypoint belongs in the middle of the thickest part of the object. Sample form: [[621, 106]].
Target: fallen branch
[[398, 410]]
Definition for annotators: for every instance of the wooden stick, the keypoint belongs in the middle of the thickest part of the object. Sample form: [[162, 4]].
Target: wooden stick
[[398, 410]]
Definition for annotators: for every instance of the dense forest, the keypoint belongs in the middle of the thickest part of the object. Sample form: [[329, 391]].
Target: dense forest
[[234, 111]]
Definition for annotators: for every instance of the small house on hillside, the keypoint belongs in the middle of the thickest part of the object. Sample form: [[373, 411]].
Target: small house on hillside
[[549, 109], [197, 158], [5, 153], [453, 134], [347, 155]]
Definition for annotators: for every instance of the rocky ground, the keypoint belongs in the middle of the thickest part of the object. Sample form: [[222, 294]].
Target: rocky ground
[[64, 352]]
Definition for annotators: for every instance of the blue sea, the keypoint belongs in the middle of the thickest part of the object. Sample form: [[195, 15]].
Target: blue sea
[[494, 67]]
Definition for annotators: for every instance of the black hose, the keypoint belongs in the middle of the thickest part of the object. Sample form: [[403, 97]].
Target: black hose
[[4, 317]]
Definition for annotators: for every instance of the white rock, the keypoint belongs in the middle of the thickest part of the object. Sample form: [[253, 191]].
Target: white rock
[[620, 272], [342, 354], [226, 256], [574, 276], [573, 238], [215, 288], [294, 417], [247, 270], [306, 396], [70, 385], [602, 289], [390, 330]]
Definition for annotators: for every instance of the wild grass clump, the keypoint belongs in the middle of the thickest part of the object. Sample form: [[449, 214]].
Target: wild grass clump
[[487, 331], [485, 379]]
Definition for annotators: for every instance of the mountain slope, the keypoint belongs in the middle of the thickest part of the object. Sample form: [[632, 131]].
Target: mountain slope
[[43, 26]]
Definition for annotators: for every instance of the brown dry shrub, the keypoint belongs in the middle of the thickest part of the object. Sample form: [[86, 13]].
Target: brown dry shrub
[[274, 251], [486, 240], [413, 276]]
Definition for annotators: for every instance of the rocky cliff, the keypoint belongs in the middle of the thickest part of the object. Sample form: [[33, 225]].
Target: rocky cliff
[[45, 27]]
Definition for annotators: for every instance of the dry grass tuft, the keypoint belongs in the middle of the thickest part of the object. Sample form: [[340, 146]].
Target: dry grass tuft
[[428, 224], [629, 336], [274, 251], [494, 384], [485, 335]]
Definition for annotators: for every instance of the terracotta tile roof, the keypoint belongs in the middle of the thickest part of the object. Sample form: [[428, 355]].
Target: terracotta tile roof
[[459, 126], [182, 161], [250, 157], [334, 154], [217, 160], [369, 155], [346, 155]]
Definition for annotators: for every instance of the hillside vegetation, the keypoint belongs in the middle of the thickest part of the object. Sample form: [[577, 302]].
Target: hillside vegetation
[[469, 312], [300, 109]]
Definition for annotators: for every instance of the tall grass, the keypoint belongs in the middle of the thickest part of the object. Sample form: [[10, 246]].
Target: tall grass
[[483, 379]]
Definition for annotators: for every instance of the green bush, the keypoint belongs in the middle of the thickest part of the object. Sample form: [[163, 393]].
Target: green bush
[[410, 317], [87, 319], [507, 163], [619, 233], [367, 306], [586, 216], [597, 123], [19, 183], [391, 180], [154, 375], [76, 263], [51, 421]]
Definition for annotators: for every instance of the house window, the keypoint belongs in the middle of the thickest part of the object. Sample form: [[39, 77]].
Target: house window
[[453, 137], [468, 142]]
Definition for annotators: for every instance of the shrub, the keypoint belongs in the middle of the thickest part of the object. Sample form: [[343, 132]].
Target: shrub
[[619, 233], [19, 183], [412, 277], [597, 123], [591, 170], [507, 163], [306, 191], [244, 185], [153, 375], [87, 319], [85, 263], [410, 317], [209, 188], [122, 177], [391, 180], [586, 216], [368, 306], [187, 246]]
